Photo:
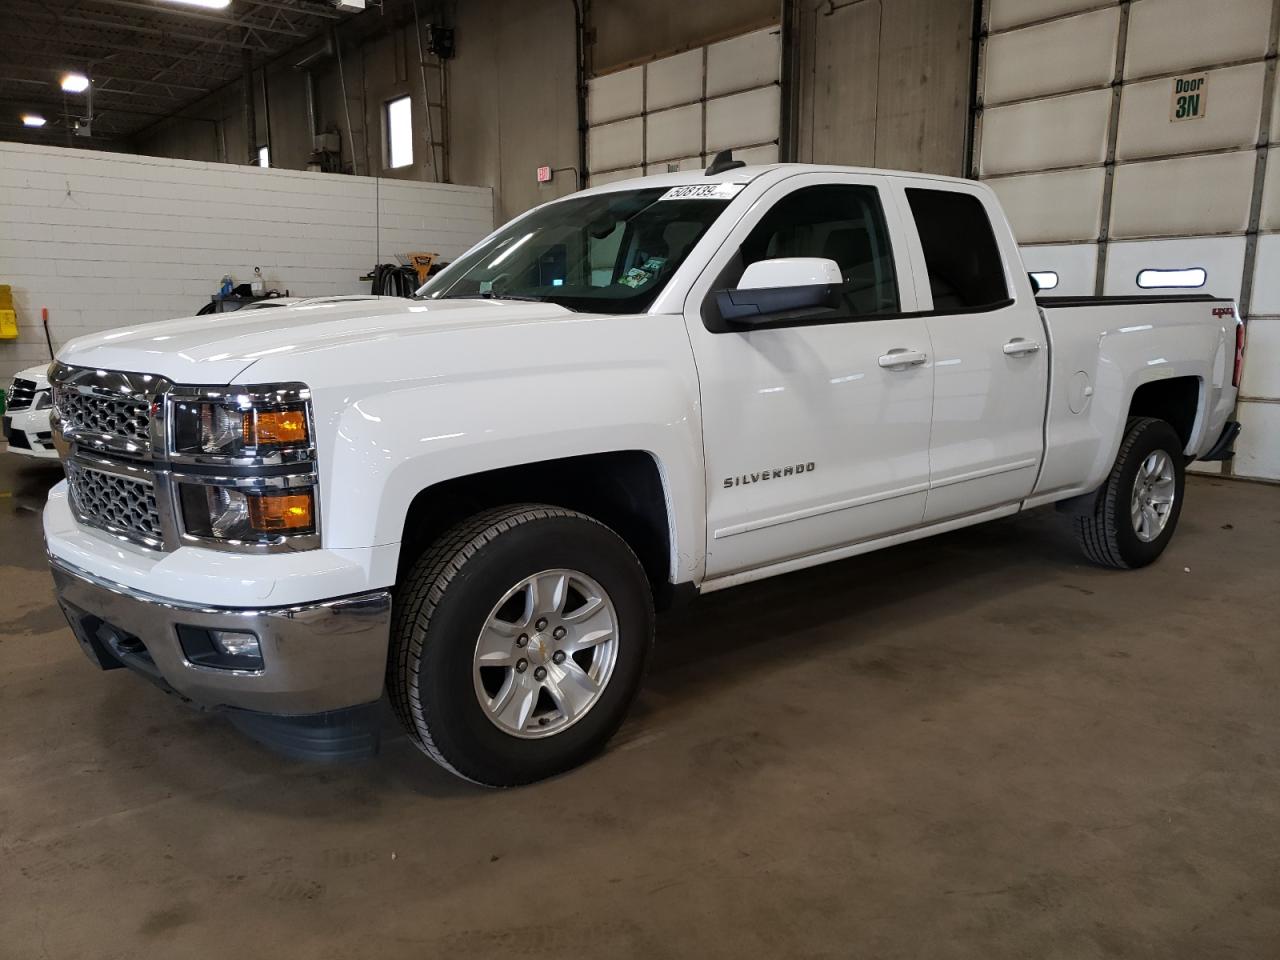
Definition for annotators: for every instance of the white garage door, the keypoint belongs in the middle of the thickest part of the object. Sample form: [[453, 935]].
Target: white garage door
[[1128, 141], [677, 112]]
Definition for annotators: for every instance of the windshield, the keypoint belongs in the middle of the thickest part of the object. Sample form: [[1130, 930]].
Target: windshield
[[610, 253]]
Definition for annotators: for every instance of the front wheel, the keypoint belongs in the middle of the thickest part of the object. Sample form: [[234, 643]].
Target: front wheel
[[519, 641], [1134, 514]]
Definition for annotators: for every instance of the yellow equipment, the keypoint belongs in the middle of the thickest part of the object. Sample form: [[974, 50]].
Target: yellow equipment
[[8, 318]]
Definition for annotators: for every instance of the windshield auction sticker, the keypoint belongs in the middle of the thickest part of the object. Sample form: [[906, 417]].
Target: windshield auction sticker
[[704, 191]]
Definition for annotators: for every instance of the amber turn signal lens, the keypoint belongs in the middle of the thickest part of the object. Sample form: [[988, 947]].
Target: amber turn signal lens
[[280, 512], [278, 428]]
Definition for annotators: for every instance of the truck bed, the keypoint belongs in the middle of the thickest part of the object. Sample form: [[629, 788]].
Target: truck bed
[[1107, 349]]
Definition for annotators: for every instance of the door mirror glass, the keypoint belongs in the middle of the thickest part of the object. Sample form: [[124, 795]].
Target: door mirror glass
[[770, 289]]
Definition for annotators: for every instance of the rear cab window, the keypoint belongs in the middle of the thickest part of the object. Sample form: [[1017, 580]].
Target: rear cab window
[[966, 272]]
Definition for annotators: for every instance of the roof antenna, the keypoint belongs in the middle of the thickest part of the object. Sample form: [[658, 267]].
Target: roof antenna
[[724, 161]]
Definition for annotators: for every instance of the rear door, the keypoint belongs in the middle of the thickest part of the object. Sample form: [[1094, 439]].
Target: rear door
[[814, 437], [990, 350]]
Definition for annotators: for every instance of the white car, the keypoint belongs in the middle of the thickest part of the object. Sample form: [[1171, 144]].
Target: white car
[[26, 415], [475, 501]]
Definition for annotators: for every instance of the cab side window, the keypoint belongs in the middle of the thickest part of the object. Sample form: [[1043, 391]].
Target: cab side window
[[841, 223], [960, 252]]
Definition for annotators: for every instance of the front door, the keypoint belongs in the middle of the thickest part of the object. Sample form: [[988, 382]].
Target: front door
[[814, 436]]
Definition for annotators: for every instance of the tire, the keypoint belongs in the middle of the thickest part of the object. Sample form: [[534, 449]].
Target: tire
[[1107, 531], [446, 695]]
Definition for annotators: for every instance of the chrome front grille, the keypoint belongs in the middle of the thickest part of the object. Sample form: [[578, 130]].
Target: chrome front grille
[[120, 504], [103, 423], [126, 419], [112, 430]]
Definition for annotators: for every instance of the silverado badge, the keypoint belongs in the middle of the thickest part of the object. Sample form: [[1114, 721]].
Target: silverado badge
[[770, 473]]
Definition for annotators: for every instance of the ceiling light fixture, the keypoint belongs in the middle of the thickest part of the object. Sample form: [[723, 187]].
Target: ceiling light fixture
[[74, 83], [32, 120], [207, 4]]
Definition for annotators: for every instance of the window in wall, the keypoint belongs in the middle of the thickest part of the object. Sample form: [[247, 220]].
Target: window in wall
[[264, 157], [399, 122], [1153, 279], [840, 223], [960, 252]]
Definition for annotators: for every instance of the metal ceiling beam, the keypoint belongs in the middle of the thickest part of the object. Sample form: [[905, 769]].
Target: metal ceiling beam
[[191, 14], [140, 51], [120, 47], [65, 121], [49, 132], [80, 21], [307, 10], [76, 109], [155, 77], [104, 89], [98, 79], [51, 126]]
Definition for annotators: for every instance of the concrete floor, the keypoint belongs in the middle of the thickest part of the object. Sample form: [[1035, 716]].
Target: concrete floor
[[975, 746]]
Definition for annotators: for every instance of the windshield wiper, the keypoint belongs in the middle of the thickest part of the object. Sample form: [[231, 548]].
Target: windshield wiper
[[528, 298]]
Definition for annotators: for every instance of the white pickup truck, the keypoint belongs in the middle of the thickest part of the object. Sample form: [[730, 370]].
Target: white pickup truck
[[474, 501], [26, 415]]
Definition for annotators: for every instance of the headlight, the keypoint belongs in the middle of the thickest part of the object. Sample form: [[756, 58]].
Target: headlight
[[236, 426], [215, 512], [244, 466], [44, 400]]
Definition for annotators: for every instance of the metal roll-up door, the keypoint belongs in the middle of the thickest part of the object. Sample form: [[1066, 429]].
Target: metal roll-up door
[[675, 112], [1129, 139]]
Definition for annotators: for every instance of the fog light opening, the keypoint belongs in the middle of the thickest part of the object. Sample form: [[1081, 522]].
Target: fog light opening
[[236, 643], [221, 649]]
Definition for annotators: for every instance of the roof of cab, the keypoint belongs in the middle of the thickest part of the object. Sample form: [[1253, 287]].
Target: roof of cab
[[749, 173]]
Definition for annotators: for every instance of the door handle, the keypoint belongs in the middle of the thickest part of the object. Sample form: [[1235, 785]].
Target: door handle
[[899, 358], [1018, 347]]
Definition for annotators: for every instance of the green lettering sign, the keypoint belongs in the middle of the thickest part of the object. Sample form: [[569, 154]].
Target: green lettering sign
[[1190, 97]]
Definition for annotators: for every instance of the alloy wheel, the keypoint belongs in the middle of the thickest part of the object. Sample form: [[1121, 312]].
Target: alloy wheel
[[545, 653], [1154, 490]]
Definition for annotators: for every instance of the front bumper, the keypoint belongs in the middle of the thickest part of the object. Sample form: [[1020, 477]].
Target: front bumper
[[28, 433], [316, 658]]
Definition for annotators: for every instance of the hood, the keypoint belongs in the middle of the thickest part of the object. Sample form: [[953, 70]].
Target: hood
[[37, 375], [219, 347]]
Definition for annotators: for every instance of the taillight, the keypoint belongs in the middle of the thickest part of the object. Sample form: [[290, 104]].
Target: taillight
[[1235, 372]]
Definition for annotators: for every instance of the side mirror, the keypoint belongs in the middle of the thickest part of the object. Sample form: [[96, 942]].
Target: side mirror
[[770, 289]]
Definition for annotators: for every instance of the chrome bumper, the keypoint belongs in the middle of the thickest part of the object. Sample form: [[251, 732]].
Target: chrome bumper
[[318, 657]]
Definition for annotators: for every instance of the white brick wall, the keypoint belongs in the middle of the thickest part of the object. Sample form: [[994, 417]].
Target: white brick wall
[[106, 239]]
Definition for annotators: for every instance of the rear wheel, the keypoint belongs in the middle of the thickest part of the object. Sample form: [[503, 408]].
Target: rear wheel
[[519, 641], [1133, 515]]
